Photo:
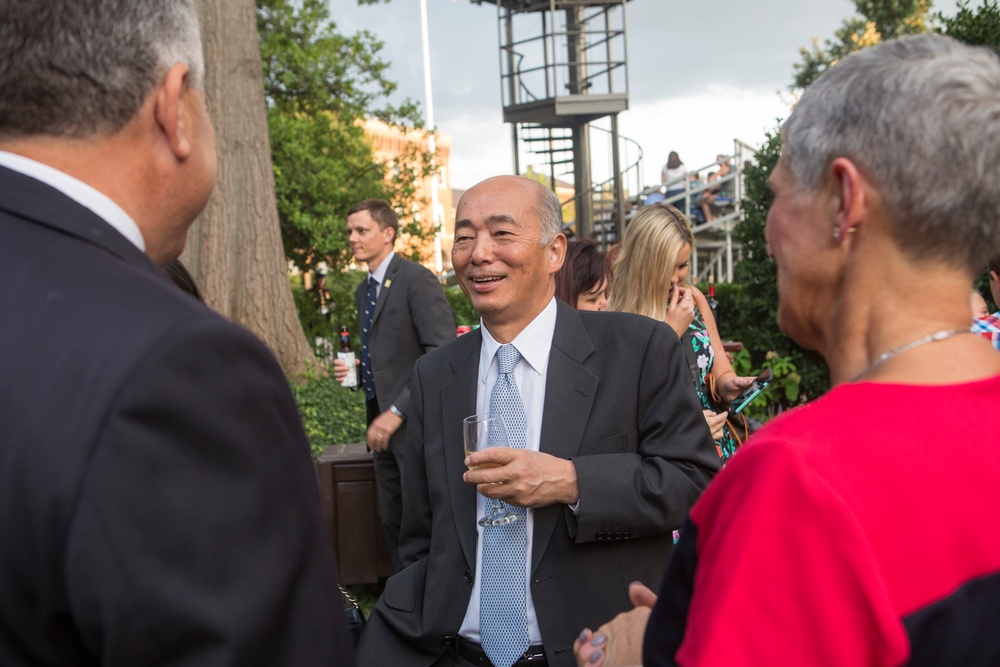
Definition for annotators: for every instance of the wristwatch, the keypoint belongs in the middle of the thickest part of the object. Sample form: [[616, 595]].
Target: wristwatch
[[394, 410]]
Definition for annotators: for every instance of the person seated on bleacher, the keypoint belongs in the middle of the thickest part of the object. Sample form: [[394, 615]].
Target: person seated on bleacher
[[713, 197], [695, 182]]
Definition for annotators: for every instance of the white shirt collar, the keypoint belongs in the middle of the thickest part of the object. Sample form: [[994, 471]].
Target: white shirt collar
[[80, 192], [534, 342], [379, 273]]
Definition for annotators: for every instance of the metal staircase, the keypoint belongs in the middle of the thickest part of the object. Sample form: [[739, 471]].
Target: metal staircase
[[554, 150], [562, 67], [715, 251]]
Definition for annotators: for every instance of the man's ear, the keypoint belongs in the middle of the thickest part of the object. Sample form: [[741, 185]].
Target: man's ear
[[389, 234], [171, 113], [557, 256]]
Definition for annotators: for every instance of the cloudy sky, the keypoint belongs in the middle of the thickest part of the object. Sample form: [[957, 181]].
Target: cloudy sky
[[701, 74]]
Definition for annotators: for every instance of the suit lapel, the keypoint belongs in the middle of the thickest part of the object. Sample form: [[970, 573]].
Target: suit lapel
[[458, 402], [569, 394]]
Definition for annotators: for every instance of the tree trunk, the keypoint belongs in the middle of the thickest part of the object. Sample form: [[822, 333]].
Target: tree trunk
[[234, 249]]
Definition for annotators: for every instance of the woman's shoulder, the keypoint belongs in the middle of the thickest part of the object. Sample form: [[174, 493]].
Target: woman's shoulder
[[699, 297]]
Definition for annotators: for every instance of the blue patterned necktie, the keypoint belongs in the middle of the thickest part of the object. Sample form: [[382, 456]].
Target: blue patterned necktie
[[503, 613], [367, 379]]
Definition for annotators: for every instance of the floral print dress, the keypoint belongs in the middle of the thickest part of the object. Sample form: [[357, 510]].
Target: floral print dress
[[701, 358]]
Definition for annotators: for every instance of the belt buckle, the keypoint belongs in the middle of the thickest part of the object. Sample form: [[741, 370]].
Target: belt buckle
[[530, 657]]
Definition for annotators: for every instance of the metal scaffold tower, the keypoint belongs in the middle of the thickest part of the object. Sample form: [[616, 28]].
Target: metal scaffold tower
[[563, 66]]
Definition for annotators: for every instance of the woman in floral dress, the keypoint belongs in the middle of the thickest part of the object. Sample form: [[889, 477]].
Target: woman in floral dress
[[651, 279]]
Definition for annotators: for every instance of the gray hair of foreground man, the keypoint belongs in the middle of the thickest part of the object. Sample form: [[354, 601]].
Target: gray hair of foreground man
[[83, 68], [550, 212], [921, 116]]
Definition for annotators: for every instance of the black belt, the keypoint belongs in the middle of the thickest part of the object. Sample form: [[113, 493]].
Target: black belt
[[474, 653]]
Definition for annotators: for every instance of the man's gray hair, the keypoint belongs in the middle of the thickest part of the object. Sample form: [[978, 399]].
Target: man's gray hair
[[920, 116], [81, 68], [550, 212]]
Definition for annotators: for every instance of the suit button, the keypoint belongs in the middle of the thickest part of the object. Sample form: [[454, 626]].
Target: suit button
[[468, 577]]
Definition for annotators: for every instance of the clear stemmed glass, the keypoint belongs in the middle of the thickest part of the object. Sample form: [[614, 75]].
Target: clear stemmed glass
[[482, 432]]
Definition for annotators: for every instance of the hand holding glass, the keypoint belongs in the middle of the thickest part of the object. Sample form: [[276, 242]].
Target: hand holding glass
[[482, 432]]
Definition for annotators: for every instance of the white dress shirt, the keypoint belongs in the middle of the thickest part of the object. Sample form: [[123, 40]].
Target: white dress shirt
[[78, 191], [534, 343], [379, 273]]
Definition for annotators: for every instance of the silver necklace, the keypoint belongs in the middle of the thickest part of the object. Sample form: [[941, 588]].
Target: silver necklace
[[935, 337]]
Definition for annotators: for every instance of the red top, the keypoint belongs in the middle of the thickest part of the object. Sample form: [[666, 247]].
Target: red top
[[834, 536]]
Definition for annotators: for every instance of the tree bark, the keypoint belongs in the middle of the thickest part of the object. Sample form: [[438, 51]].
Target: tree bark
[[234, 249]]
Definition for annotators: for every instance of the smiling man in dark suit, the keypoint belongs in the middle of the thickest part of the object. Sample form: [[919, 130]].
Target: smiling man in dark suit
[[158, 505], [608, 452], [402, 314]]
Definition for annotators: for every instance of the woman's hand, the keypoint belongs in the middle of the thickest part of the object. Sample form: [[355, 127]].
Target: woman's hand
[[680, 310], [733, 385], [716, 421], [618, 643]]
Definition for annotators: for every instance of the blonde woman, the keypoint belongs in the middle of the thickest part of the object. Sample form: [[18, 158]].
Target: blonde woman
[[651, 279]]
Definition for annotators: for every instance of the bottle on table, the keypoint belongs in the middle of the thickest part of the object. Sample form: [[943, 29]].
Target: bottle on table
[[346, 354]]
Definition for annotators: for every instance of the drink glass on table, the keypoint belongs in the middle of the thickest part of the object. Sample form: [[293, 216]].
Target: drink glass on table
[[482, 432]]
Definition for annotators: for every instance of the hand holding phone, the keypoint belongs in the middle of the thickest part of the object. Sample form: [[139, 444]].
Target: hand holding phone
[[758, 385]]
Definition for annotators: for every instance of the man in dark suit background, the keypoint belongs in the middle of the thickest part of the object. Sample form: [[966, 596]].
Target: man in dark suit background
[[402, 314], [157, 500], [613, 452]]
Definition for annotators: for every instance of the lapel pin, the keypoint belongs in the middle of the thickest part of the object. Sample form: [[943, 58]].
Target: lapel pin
[[388, 284]]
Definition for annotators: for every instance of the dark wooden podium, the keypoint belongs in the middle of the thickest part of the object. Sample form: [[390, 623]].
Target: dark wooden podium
[[347, 489]]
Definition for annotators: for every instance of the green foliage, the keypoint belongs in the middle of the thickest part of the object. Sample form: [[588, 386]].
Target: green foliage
[[851, 36], [319, 86], [338, 297], [461, 307], [893, 18], [322, 167], [982, 285], [781, 394], [980, 27], [749, 308], [331, 414], [310, 67], [877, 20]]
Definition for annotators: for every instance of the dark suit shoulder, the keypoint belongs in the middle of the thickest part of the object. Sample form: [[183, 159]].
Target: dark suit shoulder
[[410, 269], [453, 353], [625, 329]]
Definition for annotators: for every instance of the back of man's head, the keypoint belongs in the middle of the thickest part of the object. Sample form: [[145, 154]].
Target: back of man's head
[[921, 116], [83, 68]]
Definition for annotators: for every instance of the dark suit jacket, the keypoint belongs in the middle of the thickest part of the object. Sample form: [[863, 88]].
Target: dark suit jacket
[[619, 402], [158, 505], [412, 317]]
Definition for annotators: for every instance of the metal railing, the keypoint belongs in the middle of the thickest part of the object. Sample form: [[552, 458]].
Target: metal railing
[[598, 66], [605, 220], [715, 253]]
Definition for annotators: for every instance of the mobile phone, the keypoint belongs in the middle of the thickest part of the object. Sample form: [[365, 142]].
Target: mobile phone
[[751, 392]]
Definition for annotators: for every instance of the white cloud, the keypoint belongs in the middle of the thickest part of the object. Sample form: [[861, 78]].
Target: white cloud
[[481, 147], [700, 125]]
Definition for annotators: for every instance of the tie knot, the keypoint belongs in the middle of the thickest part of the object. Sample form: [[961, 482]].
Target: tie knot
[[507, 358], [372, 282]]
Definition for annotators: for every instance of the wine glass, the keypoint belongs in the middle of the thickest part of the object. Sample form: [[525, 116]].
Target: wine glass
[[482, 432]]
